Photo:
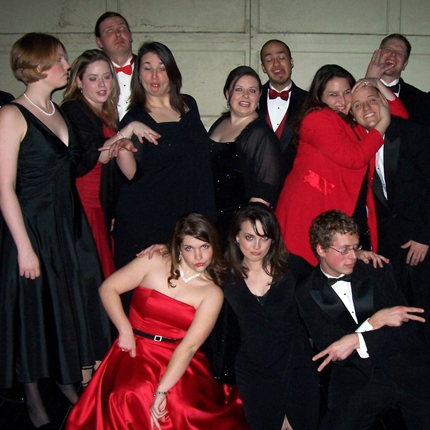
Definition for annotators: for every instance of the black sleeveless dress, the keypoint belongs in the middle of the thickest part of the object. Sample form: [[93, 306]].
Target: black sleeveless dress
[[54, 324]]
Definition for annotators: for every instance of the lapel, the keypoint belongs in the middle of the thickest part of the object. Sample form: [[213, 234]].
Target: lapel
[[391, 159], [332, 305], [262, 110]]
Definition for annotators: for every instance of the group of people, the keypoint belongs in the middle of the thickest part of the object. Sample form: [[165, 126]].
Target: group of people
[[125, 162]]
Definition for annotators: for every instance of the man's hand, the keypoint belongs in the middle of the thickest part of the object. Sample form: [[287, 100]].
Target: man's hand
[[395, 317], [338, 350], [417, 252]]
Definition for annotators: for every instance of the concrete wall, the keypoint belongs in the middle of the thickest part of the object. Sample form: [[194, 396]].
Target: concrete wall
[[211, 37]]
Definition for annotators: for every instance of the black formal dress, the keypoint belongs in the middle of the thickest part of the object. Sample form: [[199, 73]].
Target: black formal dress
[[175, 179], [274, 370], [55, 324], [248, 167], [397, 371]]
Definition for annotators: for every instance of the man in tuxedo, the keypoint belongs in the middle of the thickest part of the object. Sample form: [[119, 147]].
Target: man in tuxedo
[[401, 188], [388, 63], [362, 326], [114, 37], [280, 99]]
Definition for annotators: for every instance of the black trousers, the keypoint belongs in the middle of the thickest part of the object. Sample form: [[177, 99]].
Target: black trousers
[[362, 408]]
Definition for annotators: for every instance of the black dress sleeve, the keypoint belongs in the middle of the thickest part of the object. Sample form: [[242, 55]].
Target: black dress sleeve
[[88, 129], [261, 161]]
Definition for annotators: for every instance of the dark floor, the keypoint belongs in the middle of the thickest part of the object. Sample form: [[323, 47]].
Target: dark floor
[[14, 416]]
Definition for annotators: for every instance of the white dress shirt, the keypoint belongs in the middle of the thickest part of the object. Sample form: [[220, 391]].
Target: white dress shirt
[[124, 82], [277, 108]]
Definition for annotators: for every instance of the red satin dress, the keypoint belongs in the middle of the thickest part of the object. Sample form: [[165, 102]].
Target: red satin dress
[[121, 391], [89, 189]]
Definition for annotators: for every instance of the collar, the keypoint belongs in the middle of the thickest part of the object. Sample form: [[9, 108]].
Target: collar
[[391, 84], [130, 61], [287, 88]]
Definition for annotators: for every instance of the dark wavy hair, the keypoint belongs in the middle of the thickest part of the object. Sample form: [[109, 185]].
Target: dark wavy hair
[[138, 95], [200, 227], [77, 70], [313, 99], [275, 262], [325, 226]]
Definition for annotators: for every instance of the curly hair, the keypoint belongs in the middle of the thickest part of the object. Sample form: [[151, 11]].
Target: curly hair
[[275, 262], [325, 226], [200, 227]]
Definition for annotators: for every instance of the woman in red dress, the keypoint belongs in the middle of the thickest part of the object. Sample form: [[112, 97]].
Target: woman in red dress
[[90, 104], [155, 375], [335, 156]]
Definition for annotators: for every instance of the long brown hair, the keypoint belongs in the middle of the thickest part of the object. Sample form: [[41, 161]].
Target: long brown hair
[[313, 99], [79, 66], [138, 95], [200, 227]]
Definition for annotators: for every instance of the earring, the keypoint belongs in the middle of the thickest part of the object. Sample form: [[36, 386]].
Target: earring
[[228, 104], [180, 256]]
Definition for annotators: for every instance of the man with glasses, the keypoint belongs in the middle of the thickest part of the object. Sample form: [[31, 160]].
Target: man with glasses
[[359, 321]]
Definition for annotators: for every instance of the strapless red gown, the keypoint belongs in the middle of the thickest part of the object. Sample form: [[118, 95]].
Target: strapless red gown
[[122, 390]]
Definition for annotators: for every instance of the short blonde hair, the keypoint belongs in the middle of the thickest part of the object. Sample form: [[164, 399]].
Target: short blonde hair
[[33, 54]]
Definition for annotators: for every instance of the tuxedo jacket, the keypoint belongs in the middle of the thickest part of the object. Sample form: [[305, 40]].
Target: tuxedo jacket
[[397, 351], [417, 103], [297, 99], [406, 213]]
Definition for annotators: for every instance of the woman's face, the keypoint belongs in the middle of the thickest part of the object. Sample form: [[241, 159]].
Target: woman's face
[[96, 83], [337, 95], [244, 96], [196, 253], [58, 74], [254, 246], [153, 75]]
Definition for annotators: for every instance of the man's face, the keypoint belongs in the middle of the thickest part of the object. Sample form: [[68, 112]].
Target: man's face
[[115, 38], [394, 53], [365, 106], [277, 64], [332, 261]]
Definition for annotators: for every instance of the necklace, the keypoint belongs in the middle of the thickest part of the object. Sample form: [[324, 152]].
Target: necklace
[[41, 110], [186, 280]]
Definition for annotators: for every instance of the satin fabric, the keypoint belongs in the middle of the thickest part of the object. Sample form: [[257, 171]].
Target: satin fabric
[[121, 392]]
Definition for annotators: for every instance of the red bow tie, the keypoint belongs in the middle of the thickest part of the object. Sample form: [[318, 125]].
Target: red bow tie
[[125, 69], [275, 94]]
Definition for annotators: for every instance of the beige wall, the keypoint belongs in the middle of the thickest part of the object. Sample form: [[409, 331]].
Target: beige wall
[[211, 37]]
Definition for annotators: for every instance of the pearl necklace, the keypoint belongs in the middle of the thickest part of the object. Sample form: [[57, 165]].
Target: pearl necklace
[[186, 280], [41, 110]]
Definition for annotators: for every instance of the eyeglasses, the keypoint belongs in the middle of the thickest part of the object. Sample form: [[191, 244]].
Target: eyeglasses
[[346, 249]]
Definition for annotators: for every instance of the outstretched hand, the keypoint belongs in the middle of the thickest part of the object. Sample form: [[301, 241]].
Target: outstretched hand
[[338, 350], [395, 316], [118, 145]]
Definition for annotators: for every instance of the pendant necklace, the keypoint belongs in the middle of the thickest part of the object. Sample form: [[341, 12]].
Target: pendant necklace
[[186, 280], [41, 110]]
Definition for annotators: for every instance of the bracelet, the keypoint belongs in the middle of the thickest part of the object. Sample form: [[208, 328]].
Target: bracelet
[[164, 393], [120, 135]]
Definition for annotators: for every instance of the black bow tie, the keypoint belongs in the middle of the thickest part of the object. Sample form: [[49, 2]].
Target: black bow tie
[[332, 281], [395, 88]]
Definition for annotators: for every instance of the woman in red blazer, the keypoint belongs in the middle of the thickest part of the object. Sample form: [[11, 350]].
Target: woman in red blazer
[[333, 156]]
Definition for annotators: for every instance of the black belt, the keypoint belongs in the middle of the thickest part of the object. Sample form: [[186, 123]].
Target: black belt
[[155, 337]]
